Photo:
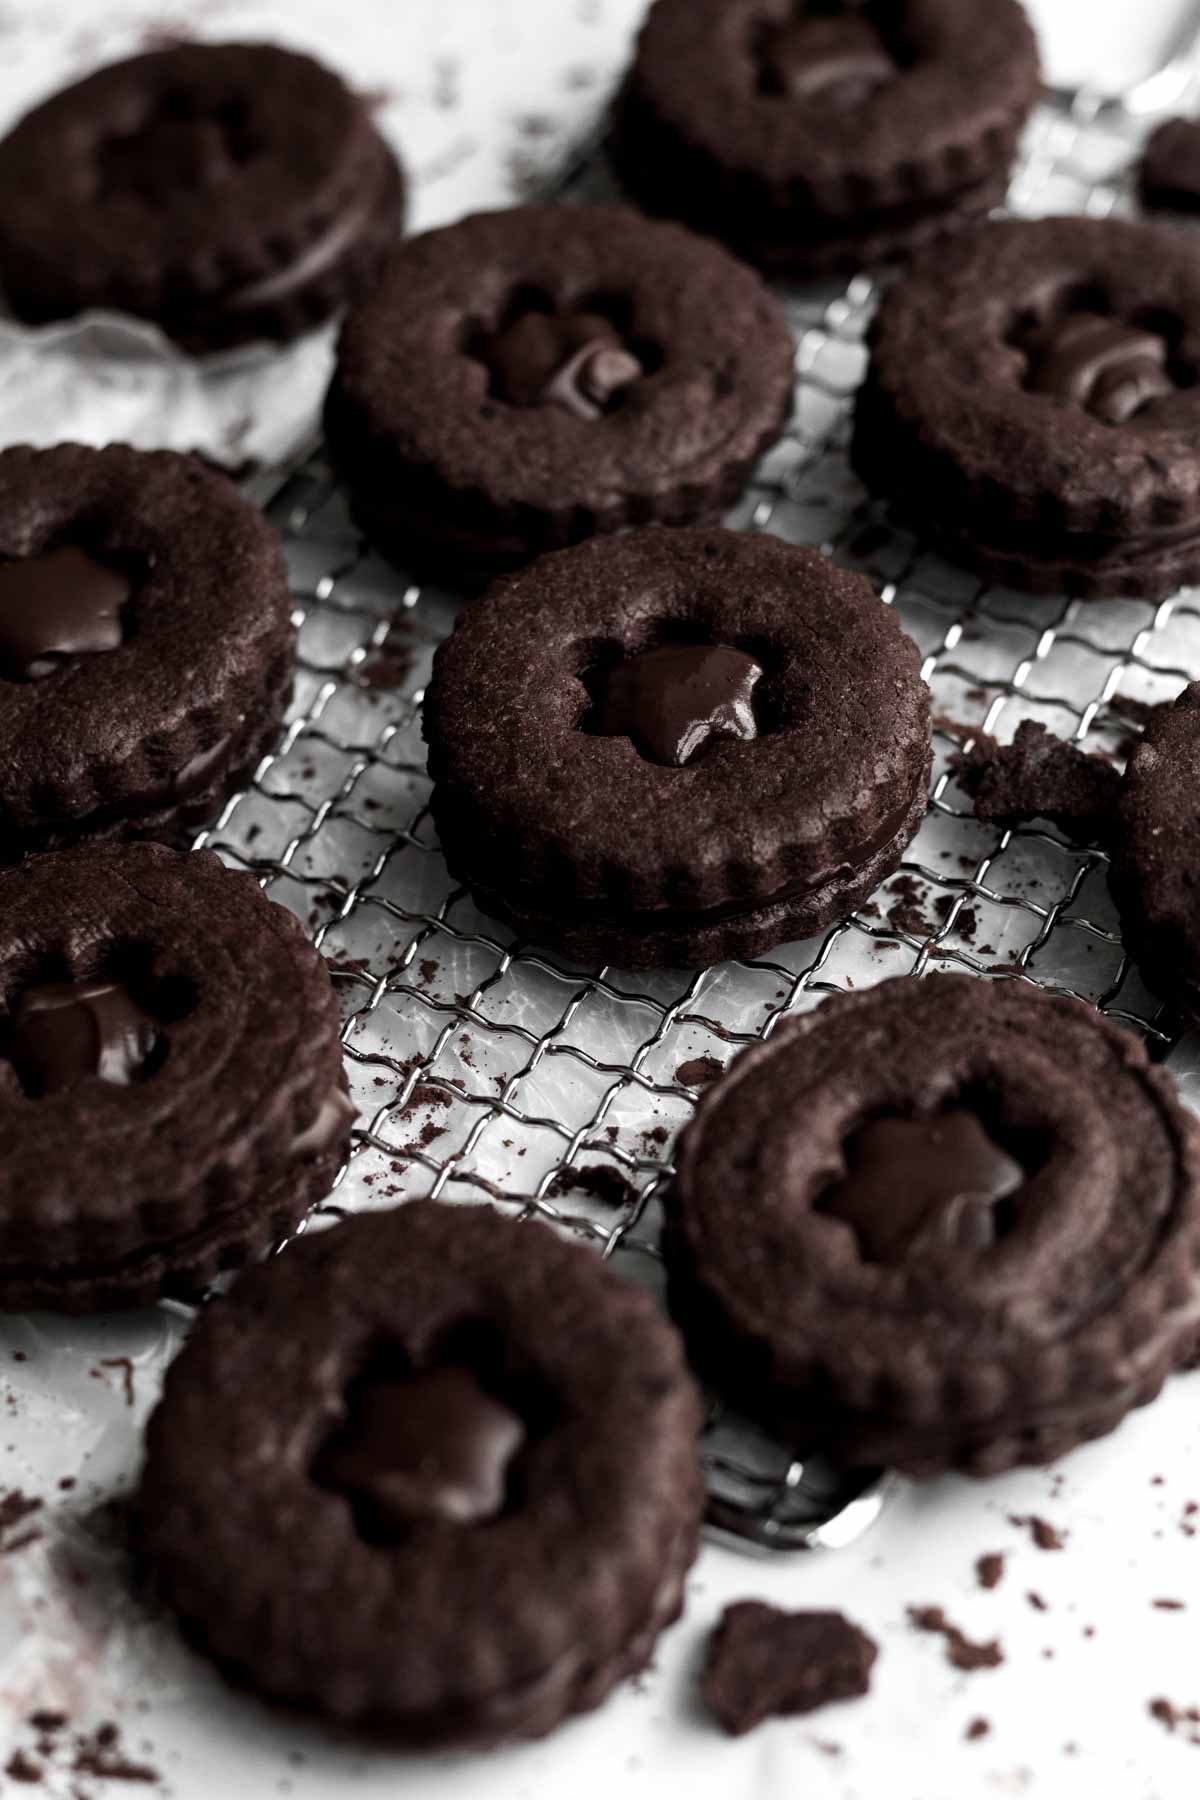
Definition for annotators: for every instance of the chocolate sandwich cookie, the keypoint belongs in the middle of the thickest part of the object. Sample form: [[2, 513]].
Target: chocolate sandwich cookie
[[172, 1098], [813, 135], [456, 1505], [1033, 404], [227, 192], [146, 644], [527, 378], [946, 1223], [676, 746], [1169, 173], [1156, 851]]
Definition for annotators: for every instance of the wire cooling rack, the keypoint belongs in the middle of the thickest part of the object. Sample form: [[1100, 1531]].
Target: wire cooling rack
[[485, 1068]]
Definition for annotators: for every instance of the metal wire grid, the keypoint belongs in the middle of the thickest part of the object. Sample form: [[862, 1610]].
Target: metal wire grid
[[485, 1068]]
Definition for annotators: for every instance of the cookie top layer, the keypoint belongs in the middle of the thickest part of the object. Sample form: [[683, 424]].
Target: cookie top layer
[[1049, 373], [160, 1020], [464, 1484], [145, 617], [676, 719], [848, 109], [1157, 852], [561, 358], [201, 173], [960, 1204]]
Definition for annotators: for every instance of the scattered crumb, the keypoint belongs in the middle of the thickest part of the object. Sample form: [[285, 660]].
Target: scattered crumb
[[699, 1071], [1176, 1718], [1036, 1601], [601, 1181], [125, 1365], [978, 1728], [960, 1650], [989, 1569], [1042, 1533]]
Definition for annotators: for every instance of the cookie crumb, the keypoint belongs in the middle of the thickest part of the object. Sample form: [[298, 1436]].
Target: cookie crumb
[[601, 1181], [960, 1650], [699, 1071], [762, 1661], [989, 1569], [1044, 1535]]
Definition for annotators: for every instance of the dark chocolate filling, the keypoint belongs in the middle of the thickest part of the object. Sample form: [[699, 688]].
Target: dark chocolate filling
[[602, 912]]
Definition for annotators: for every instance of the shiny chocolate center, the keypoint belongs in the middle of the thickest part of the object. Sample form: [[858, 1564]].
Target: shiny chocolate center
[[63, 1031], [1109, 369], [837, 58], [56, 605], [576, 361], [924, 1184], [671, 702], [428, 1446]]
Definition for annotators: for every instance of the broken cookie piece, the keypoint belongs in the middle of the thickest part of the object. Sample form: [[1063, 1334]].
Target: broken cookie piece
[[763, 1662], [1039, 775]]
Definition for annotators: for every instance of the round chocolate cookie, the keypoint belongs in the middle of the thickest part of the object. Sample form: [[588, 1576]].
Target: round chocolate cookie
[[146, 644], [431, 1472], [172, 1098], [1155, 870], [1033, 404], [527, 378], [820, 136], [227, 192], [676, 746], [946, 1223]]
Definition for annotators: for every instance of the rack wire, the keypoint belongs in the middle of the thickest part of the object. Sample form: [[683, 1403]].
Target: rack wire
[[485, 1068]]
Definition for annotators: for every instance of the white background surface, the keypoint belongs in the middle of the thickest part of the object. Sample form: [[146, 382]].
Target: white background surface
[[1068, 1710]]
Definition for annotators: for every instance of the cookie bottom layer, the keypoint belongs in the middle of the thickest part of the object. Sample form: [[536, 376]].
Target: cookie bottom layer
[[681, 940], [981, 1447], [804, 243], [1010, 552], [177, 822], [430, 531], [530, 1711], [181, 1268]]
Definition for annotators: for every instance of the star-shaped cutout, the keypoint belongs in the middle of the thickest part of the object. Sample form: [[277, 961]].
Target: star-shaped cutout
[[671, 702], [916, 1184]]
